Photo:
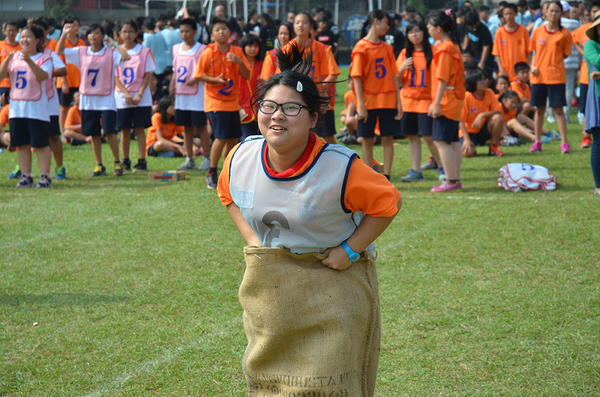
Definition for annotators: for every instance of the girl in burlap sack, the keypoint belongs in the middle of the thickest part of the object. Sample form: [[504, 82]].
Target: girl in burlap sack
[[309, 212]]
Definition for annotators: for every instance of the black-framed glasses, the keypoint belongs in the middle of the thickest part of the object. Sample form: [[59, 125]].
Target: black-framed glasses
[[288, 108]]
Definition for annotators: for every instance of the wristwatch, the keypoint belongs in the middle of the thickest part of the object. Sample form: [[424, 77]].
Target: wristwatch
[[354, 256]]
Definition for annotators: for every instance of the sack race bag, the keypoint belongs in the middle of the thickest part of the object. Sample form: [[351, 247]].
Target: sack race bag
[[312, 331], [515, 177]]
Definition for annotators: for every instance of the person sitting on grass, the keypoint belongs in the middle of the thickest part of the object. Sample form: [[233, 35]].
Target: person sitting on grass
[[4, 135], [480, 120], [349, 116], [73, 125], [517, 123], [501, 85], [163, 137]]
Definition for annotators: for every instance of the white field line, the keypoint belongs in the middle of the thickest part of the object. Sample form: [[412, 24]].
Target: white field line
[[167, 356]]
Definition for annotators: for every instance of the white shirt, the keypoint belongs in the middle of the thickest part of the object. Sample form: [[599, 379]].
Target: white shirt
[[37, 110], [146, 100], [53, 107], [190, 102], [94, 102]]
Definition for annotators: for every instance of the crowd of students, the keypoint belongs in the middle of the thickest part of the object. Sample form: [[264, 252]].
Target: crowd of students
[[457, 79]]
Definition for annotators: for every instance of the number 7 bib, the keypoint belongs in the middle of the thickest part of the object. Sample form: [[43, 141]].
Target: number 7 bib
[[96, 72]]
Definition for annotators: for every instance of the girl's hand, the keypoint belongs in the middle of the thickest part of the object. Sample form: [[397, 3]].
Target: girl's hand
[[407, 64], [400, 114], [595, 76], [363, 114], [534, 71], [191, 82], [478, 121], [231, 57], [67, 28], [136, 99], [25, 56], [221, 80], [434, 111], [128, 98], [337, 258], [109, 41], [10, 56], [65, 88]]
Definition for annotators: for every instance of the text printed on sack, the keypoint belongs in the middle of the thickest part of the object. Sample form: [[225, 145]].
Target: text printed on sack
[[278, 385]]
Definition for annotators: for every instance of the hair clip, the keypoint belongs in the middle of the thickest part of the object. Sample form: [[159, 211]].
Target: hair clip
[[449, 12], [299, 87]]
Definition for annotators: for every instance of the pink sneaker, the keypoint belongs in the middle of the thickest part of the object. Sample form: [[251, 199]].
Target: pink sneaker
[[446, 187], [565, 148], [536, 147]]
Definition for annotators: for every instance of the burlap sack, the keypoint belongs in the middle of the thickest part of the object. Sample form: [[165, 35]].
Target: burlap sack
[[312, 331]]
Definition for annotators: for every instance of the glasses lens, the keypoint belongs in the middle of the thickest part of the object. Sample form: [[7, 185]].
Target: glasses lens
[[268, 107], [291, 109]]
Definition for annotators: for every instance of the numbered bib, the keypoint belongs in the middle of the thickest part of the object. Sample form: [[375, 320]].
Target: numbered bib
[[25, 86], [132, 72], [96, 72], [183, 68]]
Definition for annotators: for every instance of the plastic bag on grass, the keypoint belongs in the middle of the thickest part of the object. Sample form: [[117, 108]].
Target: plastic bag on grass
[[312, 331], [516, 177]]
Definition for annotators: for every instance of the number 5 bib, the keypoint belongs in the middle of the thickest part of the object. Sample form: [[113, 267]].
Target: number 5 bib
[[26, 87], [96, 72], [132, 72]]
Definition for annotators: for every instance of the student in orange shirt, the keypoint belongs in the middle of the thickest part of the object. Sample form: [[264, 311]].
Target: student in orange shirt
[[551, 44], [69, 84], [324, 70], [480, 121], [5, 135], [349, 116], [508, 107], [375, 77], [251, 46], [579, 40], [448, 92], [163, 139], [7, 46], [73, 125], [285, 32], [414, 64], [511, 43], [219, 67]]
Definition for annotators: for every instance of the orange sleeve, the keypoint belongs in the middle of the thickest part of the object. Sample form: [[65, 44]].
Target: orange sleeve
[[357, 65], [444, 67], [268, 68], [568, 42], [4, 116], [203, 65], [377, 197], [332, 66], [223, 184], [73, 117]]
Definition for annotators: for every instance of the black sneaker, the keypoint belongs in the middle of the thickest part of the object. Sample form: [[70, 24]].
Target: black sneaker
[[141, 166], [44, 182], [99, 170], [126, 164], [25, 181], [211, 180]]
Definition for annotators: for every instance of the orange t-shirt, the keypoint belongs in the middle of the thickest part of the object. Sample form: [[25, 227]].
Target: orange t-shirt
[[447, 65], [366, 190], [474, 106], [374, 64], [51, 44], [550, 48], [5, 49], [581, 38], [247, 88], [415, 94], [73, 77], [511, 48], [524, 91], [73, 117], [168, 130], [350, 97], [324, 65], [269, 67], [213, 62], [508, 115], [4, 116]]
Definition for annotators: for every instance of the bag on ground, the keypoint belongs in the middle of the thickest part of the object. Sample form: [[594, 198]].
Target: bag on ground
[[516, 177], [312, 331]]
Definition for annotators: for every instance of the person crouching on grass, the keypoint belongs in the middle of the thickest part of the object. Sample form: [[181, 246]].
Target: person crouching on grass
[[219, 67], [260, 184], [163, 137]]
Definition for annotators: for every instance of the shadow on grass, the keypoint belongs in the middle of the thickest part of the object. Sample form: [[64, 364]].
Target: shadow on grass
[[59, 299]]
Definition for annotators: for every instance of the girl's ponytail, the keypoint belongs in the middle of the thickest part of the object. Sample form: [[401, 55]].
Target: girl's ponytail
[[446, 20], [373, 15]]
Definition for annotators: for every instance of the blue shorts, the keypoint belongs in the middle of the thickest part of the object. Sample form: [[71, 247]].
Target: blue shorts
[[190, 118], [583, 90], [328, 127], [249, 129], [388, 125], [225, 125], [54, 127], [555, 93], [66, 99], [444, 129], [415, 124], [32, 132], [90, 122], [480, 138], [138, 117]]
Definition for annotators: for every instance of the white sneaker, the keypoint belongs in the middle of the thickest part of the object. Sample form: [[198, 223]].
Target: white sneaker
[[551, 119], [205, 165], [188, 164]]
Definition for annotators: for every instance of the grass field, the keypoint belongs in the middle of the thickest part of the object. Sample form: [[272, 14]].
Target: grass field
[[133, 284]]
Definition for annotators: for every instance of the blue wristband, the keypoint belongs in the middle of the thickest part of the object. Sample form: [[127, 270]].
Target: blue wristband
[[354, 256]]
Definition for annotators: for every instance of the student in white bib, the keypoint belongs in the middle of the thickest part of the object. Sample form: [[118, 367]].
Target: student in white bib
[[134, 100], [98, 68], [29, 117], [188, 92]]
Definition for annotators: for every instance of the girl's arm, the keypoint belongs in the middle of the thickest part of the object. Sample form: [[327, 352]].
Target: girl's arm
[[245, 229], [369, 229], [397, 82], [4, 66], [532, 68], [121, 85], [466, 138], [212, 80], [145, 83], [435, 109], [40, 74], [362, 109]]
